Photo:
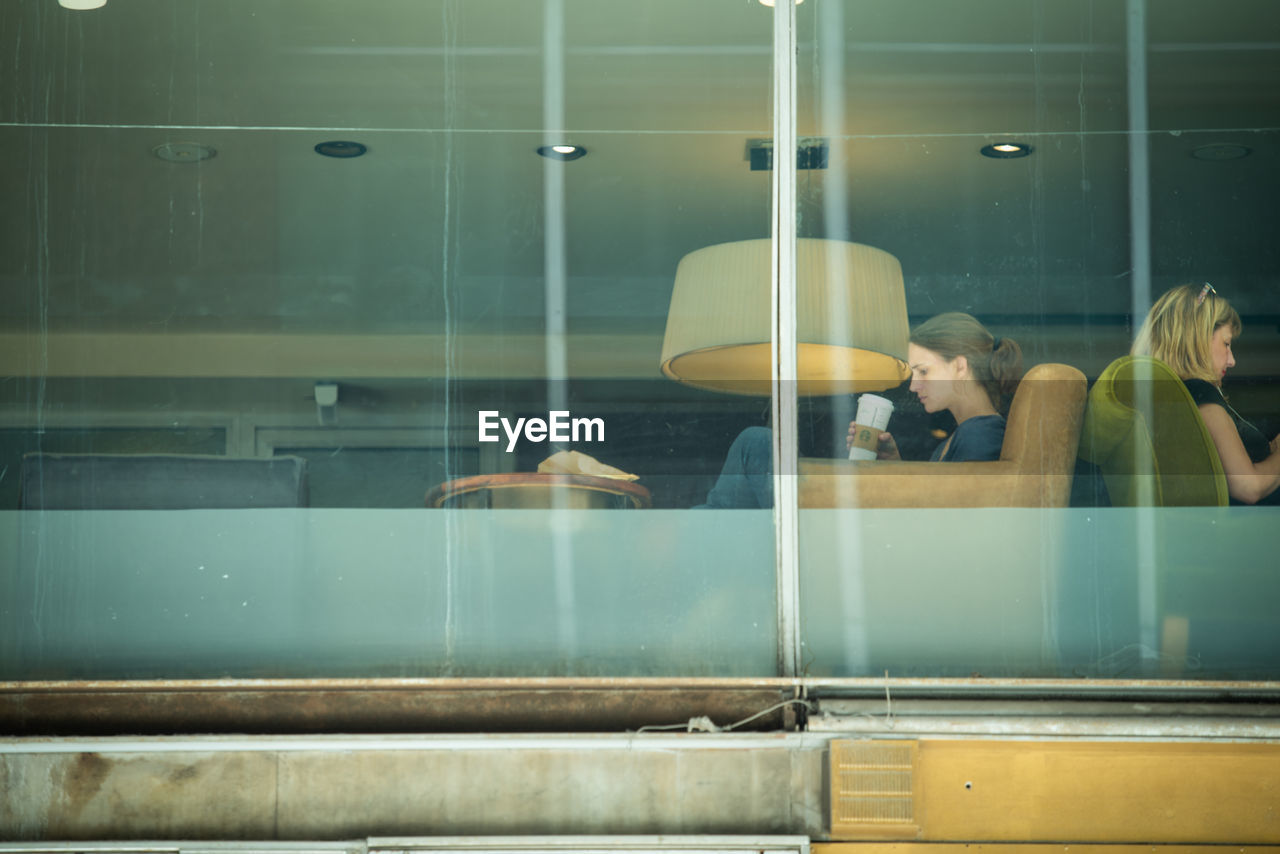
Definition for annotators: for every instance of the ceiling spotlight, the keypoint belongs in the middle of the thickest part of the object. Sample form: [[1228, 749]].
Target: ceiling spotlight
[[1005, 150], [82, 5], [1221, 151], [562, 152], [184, 152], [341, 149]]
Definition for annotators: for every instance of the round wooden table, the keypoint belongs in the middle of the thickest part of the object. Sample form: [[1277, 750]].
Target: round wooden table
[[535, 490]]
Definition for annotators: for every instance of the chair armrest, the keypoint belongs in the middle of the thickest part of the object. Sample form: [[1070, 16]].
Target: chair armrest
[[842, 483]]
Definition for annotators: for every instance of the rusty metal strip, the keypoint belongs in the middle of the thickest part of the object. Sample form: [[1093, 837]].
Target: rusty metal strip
[[158, 708], [828, 687], [497, 705]]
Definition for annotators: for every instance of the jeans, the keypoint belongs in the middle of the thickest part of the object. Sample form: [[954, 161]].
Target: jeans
[[747, 477]]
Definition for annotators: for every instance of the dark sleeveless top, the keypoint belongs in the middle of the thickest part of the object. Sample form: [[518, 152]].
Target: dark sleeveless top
[[1255, 443], [976, 439]]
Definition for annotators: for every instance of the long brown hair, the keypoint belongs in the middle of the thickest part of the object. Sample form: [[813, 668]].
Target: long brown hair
[[996, 363], [1179, 332]]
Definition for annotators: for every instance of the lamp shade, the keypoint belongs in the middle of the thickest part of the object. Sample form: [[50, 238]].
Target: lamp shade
[[851, 319]]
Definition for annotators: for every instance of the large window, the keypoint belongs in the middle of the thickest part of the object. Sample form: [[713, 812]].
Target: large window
[[441, 338], [329, 232], [1049, 169]]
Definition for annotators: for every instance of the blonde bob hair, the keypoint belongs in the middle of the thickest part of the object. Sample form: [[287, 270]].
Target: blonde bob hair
[[1180, 333]]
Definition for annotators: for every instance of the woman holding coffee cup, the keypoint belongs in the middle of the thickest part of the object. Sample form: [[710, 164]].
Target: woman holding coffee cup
[[957, 365]]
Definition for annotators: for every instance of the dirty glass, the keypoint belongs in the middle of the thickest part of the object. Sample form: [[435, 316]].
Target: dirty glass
[[1049, 168], [338, 238], [290, 299]]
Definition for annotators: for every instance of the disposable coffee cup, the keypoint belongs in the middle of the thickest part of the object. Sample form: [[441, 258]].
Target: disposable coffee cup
[[871, 419]]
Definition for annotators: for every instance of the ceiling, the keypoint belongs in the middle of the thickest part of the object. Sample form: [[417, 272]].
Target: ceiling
[[439, 229]]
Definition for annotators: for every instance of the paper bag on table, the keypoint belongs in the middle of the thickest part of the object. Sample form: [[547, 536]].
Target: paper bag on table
[[575, 462]]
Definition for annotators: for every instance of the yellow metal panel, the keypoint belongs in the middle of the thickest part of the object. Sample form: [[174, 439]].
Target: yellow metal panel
[[1071, 791]]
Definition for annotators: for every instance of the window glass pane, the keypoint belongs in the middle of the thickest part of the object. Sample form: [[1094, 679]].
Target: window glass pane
[[1049, 169], [328, 230]]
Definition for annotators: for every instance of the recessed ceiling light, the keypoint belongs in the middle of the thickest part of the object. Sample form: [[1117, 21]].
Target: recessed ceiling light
[[770, 3], [1221, 151], [1005, 150], [184, 152], [562, 152], [341, 149], [82, 5]]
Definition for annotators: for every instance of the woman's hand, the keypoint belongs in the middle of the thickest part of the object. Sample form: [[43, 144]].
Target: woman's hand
[[887, 449], [1275, 443]]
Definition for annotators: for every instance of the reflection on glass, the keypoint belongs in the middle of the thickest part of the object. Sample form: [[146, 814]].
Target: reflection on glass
[[330, 241], [993, 150]]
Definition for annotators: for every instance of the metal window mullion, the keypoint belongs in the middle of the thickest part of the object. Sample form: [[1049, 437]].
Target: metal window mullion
[[1146, 545], [783, 345]]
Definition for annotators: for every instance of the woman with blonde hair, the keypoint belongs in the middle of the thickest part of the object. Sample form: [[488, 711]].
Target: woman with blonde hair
[[956, 365], [1191, 329]]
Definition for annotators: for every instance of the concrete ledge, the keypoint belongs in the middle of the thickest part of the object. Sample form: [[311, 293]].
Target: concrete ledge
[[345, 789]]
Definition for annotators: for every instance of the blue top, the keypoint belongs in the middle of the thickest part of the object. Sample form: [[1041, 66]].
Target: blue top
[[976, 440]]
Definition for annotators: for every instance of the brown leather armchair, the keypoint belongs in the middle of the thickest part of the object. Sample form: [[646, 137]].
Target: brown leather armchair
[[1034, 470]]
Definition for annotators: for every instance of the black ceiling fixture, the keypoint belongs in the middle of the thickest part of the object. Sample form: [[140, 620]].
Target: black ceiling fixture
[[1006, 150], [562, 152], [1218, 151], [811, 153], [341, 148]]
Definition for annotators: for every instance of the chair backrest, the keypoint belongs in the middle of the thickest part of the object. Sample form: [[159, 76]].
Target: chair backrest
[[1144, 431], [160, 482], [1043, 426]]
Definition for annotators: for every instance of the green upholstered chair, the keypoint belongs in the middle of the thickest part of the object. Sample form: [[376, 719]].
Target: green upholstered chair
[[1144, 432]]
